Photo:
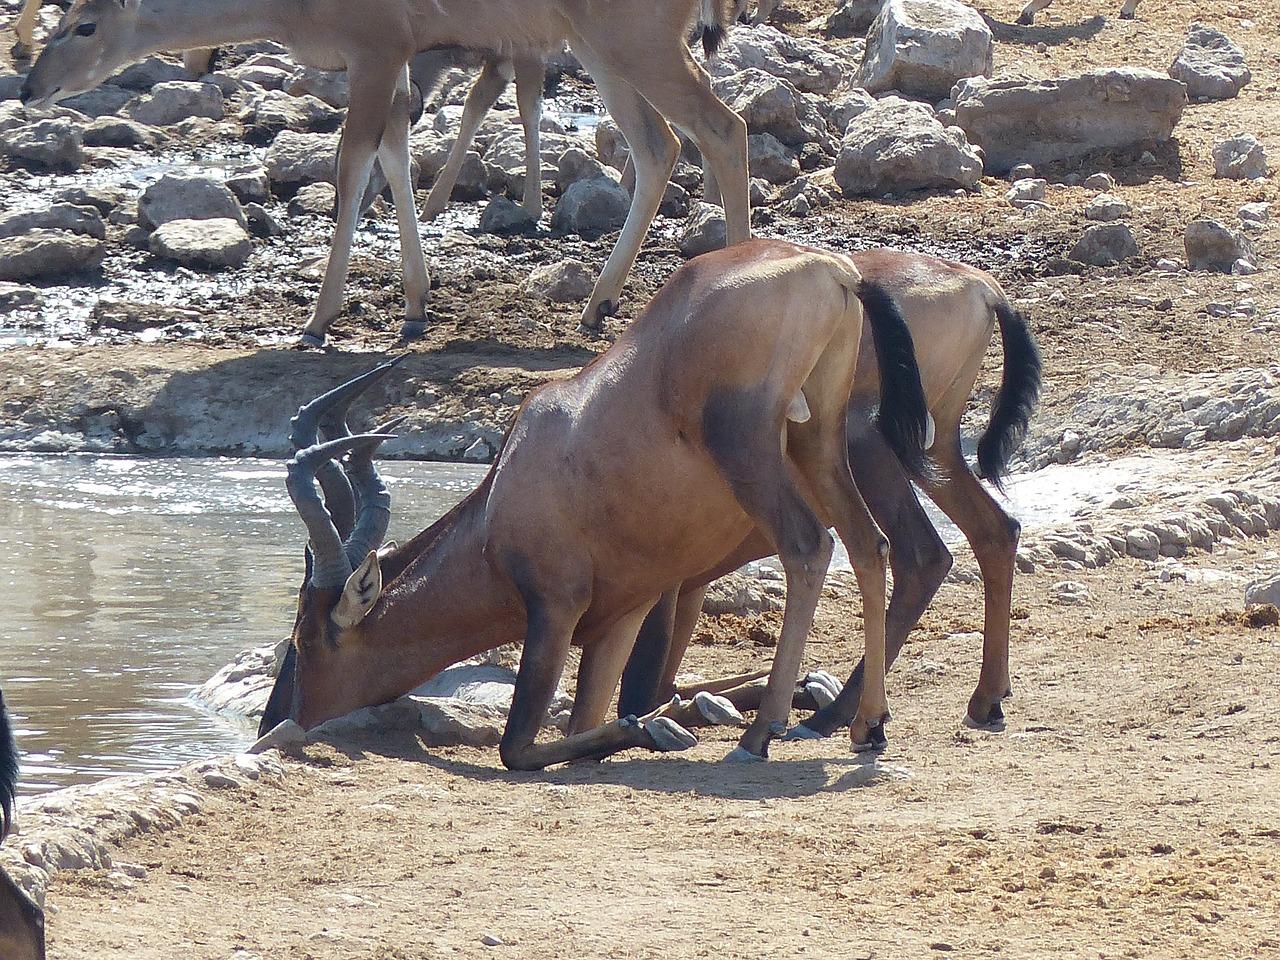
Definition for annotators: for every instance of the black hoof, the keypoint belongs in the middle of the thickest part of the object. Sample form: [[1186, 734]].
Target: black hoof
[[1128, 16], [1026, 20], [413, 329], [996, 714], [879, 739], [311, 341]]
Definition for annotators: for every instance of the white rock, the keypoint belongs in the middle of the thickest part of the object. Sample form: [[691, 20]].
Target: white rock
[[299, 158], [590, 208], [1040, 121], [1266, 590], [1105, 245], [1212, 245], [170, 103], [1026, 191], [1210, 64], [923, 47], [1102, 182], [1241, 157], [806, 64], [56, 143], [704, 231], [59, 216], [897, 146], [43, 254], [221, 242], [1106, 207], [770, 159], [565, 281], [187, 196]]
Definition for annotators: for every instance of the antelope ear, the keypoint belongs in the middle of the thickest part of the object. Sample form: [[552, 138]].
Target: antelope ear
[[391, 546], [360, 594]]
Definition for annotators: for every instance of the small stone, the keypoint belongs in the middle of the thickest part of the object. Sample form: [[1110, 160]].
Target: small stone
[[121, 132], [1069, 593], [1210, 64], [1026, 192], [704, 231], [1254, 213], [59, 216], [770, 159], [260, 222], [1021, 171], [1240, 158], [478, 452], [1105, 245], [221, 242], [1106, 207], [1102, 182], [250, 185], [564, 282], [489, 940], [1243, 268], [574, 165], [1266, 590], [1166, 265], [220, 781]]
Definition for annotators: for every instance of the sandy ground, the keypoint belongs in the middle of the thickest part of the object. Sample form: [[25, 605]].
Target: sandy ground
[[1128, 810]]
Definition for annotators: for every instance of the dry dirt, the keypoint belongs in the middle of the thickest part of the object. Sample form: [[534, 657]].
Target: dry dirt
[[1128, 810]]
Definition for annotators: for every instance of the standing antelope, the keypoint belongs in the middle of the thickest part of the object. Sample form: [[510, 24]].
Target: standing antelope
[[951, 311], [720, 409], [21, 921], [196, 62], [1127, 10], [635, 50]]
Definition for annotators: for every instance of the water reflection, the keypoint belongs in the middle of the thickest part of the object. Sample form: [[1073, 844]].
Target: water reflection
[[128, 581]]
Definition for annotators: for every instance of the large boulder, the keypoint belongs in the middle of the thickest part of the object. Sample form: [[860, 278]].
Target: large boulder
[[897, 146], [43, 254], [591, 207], [1210, 64], [1040, 121], [922, 47], [770, 159], [203, 243], [121, 132], [772, 105], [55, 143], [175, 101], [1212, 245], [187, 196], [805, 64]]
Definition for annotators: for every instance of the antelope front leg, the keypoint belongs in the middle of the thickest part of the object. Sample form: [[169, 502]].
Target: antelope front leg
[[372, 91], [25, 29], [530, 75], [484, 94], [393, 154]]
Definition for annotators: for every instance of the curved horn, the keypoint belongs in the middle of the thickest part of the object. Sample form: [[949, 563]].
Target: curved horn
[[375, 499], [331, 567], [327, 413]]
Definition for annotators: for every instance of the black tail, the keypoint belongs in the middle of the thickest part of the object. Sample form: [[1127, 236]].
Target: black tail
[[904, 414], [713, 25], [8, 770], [1015, 400]]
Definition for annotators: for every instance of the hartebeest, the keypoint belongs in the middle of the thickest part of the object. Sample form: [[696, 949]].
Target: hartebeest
[[634, 49], [1127, 10], [21, 921], [952, 311], [721, 408]]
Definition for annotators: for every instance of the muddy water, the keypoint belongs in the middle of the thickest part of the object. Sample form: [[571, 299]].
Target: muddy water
[[128, 581], [125, 582]]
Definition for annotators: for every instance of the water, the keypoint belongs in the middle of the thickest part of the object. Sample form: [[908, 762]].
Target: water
[[126, 582]]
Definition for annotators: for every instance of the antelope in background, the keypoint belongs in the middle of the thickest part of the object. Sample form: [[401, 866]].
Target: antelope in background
[[1127, 10], [952, 311], [21, 921], [196, 62], [634, 49], [732, 385]]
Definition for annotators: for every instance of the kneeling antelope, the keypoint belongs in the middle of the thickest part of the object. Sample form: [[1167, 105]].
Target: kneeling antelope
[[719, 410], [634, 49], [952, 311]]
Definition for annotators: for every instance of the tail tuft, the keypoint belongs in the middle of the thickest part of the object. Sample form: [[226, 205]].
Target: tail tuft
[[713, 35], [1015, 400], [903, 417], [8, 771]]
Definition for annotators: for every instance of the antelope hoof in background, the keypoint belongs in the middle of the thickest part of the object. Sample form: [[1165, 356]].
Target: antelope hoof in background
[[759, 738], [822, 687], [21, 51], [667, 735], [413, 329], [1026, 19], [986, 714], [864, 736], [311, 341], [717, 710]]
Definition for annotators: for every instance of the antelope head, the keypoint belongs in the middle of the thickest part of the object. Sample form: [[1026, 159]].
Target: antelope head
[[94, 39], [329, 669]]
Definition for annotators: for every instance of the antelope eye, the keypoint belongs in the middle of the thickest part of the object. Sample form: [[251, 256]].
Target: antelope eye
[[86, 29]]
